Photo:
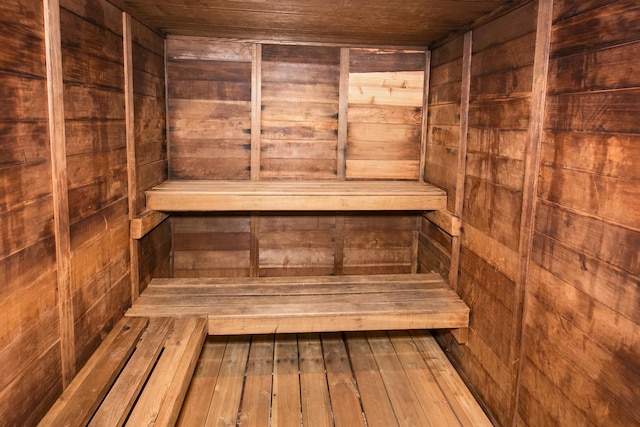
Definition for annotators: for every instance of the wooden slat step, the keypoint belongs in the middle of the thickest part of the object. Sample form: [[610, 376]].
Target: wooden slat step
[[308, 304], [139, 375], [195, 195]]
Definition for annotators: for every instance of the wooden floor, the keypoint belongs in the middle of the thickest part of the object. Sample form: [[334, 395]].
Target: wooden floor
[[331, 379]]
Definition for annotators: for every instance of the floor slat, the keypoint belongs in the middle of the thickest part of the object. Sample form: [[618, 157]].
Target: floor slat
[[331, 379]]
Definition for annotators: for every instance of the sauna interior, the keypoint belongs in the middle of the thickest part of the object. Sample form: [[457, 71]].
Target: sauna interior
[[346, 213]]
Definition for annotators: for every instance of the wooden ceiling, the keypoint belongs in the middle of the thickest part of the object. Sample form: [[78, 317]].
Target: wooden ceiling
[[343, 22]]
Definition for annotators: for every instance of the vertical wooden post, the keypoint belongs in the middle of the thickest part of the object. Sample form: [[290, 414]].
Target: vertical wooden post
[[256, 126], [256, 110], [132, 176], [55, 90], [530, 188], [462, 154], [341, 167], [424, 132], [425, 114], [343, 109]]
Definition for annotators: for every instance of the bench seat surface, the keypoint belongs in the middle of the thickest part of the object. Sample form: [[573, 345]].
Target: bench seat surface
[[213, 195], [308, 304]]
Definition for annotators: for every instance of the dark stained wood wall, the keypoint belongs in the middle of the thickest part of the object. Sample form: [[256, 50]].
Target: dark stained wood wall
[[266, 112], [67, 264], [30, 353], [93, 72], [484, 263], [554, 301], [582, 333], [150, 148]]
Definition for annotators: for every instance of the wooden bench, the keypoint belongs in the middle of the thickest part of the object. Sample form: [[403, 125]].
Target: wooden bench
[[193, 195], [139, 375], [308, 304]]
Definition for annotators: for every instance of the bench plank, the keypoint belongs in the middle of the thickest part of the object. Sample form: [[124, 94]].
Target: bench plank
[[79, 401], [199, 195], [116, 407], [308, 304], [160, 401]]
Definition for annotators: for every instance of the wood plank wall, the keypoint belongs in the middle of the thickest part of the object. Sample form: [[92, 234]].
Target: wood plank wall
[[574, 267], [64, 218], [292, 132], [30, 353], [485, 260], [93, 72], [582, 333], [150, 147]]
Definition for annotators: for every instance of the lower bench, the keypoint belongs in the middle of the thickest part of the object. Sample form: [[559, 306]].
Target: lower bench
[[138, 375], [308, 304]]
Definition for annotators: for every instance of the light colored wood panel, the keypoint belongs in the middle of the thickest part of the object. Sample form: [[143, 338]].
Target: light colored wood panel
[[364, 95], [397, 79], [385, 114]]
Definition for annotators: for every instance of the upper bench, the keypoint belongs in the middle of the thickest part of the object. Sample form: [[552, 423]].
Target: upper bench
[[196, 195]]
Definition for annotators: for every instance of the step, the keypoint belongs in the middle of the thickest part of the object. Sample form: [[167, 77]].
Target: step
[[196, 195], [139, 375], [308, 304]]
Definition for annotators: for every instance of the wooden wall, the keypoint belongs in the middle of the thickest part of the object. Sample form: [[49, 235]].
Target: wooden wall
[[64, 220], [265, 112], [582, 333], [147, 156], [30, 353], [548, 255]]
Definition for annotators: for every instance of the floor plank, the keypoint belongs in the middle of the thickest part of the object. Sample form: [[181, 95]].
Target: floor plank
[[333, 379]]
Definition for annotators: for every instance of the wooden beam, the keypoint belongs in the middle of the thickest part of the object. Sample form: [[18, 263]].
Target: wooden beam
[[256, 110], [530, 188], [132, 180], [343, 108], [462, 155], [446, 221], [57, 140], [425, 110], [145, 222]]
